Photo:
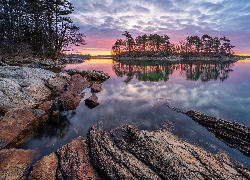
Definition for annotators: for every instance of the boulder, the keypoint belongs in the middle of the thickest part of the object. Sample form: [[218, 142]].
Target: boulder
[[45, 169], [22, 86], [57, 84], [16, 121], [75, 162], [90, 75], [15, 163], [95, 88], [71, 98], [91, 102], [157, 155]]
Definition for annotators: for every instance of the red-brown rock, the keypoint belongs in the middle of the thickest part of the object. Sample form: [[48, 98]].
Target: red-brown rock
[[14, 163], [71, 98], [91, 102], [46, 106], [45, 169], [95, 88], [75, 161], [14, 122]]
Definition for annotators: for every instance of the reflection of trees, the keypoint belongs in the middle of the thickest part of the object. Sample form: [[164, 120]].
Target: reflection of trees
[[155, 72]]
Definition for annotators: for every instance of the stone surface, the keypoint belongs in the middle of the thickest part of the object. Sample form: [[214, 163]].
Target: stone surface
[[14, 122], [14, 163], [232, 133], [57, 84], [91, 102], [90, 75], [95, 88], [75, 162], [47, 105], [157, 155], [113, 162], [45, 169], [71, 98], [22, 86]]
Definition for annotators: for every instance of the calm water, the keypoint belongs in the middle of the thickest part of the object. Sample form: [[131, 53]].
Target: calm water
[[137, 93]]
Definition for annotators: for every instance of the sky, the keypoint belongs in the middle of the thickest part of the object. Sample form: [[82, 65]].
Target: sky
[[104, 21]]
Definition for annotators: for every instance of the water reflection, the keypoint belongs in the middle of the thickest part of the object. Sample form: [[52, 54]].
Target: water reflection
[[155, 72], [141, 101]]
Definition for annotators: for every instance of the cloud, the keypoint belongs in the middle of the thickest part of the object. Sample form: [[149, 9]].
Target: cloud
[[110, 18]]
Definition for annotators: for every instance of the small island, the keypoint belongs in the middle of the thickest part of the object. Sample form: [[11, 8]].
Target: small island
[[156, 47]]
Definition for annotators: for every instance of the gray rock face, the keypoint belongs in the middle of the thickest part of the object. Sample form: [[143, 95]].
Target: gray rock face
[[22, 86]]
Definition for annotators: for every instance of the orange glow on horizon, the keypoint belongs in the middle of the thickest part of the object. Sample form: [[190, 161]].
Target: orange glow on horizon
[[92, 53], [242, 54]]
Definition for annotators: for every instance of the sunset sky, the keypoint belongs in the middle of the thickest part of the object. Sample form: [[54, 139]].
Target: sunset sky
[[104, 21]]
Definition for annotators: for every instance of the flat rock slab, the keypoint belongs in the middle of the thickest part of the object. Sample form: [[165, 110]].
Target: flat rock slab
[[22, 86], [14, 163], [14, 122]]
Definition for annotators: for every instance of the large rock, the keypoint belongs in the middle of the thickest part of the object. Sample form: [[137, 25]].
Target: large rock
[[90, 75], [57, 84], [75, 161], [91, 102], [71, 98], [22, 86], [232, 133], [157, 155], [113, 162], [45, 169], [16, 121], [95, 88], [14, 163]]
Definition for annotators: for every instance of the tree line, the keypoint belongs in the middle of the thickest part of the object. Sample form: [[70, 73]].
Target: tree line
[[156, 45], [37, 27]]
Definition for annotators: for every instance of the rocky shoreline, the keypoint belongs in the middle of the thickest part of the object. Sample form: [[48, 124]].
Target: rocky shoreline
[[29, 96], [137, 155]]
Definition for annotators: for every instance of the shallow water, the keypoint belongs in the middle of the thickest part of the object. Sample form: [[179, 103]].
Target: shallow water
[[137, 94]]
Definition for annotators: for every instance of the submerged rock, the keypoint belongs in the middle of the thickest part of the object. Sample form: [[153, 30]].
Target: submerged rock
[[91, 102], [233, 134], [157, 155], [14, 163]]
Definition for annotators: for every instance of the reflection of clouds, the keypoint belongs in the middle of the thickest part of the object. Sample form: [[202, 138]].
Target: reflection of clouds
[[212, 98]]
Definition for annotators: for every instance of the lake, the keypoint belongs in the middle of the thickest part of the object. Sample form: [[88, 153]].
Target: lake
[[138, 93]]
